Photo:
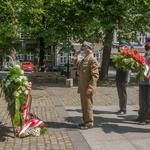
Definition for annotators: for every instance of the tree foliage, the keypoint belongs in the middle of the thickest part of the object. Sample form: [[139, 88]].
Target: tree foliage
[[62, 22], [9, 24]]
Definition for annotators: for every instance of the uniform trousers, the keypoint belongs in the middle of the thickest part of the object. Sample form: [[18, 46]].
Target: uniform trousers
[[122, 78], [144, 102], [122, 94], [87, 109]]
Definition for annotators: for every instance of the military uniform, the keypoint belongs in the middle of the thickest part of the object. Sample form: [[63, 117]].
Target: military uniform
[[144, 97], [122, 78], [121, 88], [88, 75]]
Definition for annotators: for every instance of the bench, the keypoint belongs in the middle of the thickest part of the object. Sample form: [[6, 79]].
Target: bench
[[43, 76]]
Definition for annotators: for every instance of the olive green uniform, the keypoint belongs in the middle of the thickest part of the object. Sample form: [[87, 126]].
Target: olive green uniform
[[88, 75]]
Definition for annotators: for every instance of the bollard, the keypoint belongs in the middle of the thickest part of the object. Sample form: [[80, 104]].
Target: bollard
[[69, 82]]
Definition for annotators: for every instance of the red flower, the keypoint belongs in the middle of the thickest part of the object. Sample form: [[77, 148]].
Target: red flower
[[135, 62], [136, 57], [135, 51], [143, 63], [42, 126]]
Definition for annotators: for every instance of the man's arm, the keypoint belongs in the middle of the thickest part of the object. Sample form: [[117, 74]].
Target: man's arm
[[94, 73], [75, 58]]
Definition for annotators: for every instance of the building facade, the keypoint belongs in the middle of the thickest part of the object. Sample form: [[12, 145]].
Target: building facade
[[54, 57]]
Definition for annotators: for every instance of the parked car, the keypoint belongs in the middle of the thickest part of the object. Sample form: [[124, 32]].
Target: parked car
[[56, 68], [27, 66]]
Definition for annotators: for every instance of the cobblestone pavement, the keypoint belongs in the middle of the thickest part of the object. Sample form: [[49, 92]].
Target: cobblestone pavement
[[44, 108], [57, 106]]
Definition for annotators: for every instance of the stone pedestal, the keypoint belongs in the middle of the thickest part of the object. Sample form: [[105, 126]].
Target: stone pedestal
[[69, 82]]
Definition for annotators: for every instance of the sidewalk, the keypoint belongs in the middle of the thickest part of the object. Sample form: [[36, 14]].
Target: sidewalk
[[59, 107]]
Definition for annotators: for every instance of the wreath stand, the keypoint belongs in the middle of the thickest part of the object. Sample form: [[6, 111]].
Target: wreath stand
[[30, 123]]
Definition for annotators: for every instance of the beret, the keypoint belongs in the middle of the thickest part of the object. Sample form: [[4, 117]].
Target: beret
[[148, 40], [86, 46], [124, 43]]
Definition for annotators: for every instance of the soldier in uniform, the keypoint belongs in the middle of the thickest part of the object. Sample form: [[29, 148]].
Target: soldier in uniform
[[88, 75], [144, 92], [122, 78]]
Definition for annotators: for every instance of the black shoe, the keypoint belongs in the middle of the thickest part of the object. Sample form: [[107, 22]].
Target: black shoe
[[80, 125], [85, 127], [121, 112], [138, 119]]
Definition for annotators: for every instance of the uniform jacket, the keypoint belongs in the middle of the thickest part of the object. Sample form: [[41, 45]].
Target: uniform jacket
[[147, 58], [120, 75], [123, 76], [88, 73]]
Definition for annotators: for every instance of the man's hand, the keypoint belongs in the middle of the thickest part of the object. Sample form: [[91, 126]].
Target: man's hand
[[77, 53], [89, 90]]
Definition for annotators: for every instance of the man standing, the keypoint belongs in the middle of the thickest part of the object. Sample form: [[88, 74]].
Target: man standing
[[122, 78], [144, 92], [88, 75]]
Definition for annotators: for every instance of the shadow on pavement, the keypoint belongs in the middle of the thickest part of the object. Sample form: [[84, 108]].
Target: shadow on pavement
[[59, 125], [121, 124], [111, 124], [111, 82], [4, 132], [94, 111], [108, 128]]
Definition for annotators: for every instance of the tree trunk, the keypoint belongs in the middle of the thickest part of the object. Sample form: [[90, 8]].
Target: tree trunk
[[68, 67], [106, 55], [42, 46], [54, 55], [41, 57]]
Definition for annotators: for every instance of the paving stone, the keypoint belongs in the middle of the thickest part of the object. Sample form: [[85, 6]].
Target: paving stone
[[59, 108]]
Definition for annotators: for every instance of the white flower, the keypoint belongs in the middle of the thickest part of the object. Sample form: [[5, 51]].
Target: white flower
[[25, 78], [19, 91], [21, 71], [23, 88], [16, 94], [25, 83], [26, 92], [17, 66], [19, 79]]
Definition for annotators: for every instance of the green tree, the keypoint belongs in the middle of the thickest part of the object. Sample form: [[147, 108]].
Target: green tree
[[62, 22], [94, 20], [9, 25]]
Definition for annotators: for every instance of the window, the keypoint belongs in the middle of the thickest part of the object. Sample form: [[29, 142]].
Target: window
[[20, 56], [141, 38], [47, 57], [30, 56]]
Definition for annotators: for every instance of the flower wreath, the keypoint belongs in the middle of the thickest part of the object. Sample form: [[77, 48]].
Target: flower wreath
[[128, 59], [17, 92]]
